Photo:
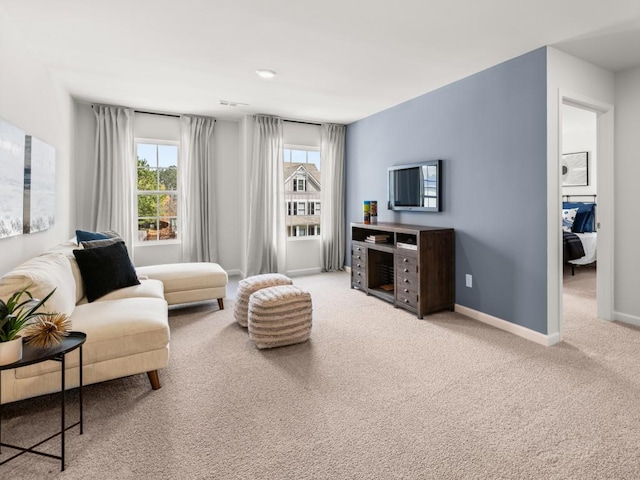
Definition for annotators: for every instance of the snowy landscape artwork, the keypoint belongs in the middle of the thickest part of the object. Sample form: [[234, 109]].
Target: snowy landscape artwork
[[12, 141], [39, 185]]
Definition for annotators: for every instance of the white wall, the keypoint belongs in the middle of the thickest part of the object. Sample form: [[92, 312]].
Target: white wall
[[162, 127], [568, 76], [627, 178], [31, 99], [579, 134]]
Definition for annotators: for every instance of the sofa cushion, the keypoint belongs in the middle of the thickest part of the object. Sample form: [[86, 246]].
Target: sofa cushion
[[67, 248], [146, 289], [42, 274], [178, 277], [105, 269], [116, 328]]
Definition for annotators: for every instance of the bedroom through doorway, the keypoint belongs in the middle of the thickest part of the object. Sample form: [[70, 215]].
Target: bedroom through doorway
[[579, 184]]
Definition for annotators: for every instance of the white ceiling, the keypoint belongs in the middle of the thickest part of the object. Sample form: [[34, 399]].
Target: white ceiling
[[337, 60]]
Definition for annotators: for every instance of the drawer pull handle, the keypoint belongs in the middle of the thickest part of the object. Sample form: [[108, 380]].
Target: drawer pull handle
[[358, 257], [406, 270], [406, 280], [405, 260], [358, 274], [406, 300], [406, 290]]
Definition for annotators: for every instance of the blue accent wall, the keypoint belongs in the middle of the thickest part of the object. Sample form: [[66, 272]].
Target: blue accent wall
[[490, 130]]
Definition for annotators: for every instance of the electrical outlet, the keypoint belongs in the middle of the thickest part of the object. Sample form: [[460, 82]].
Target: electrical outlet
[[469, 280]]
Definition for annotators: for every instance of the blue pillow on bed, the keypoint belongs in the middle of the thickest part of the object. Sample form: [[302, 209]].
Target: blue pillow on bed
[[585, 218]]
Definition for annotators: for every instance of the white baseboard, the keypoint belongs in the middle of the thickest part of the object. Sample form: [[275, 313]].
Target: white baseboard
[[304, 271], [234, 271], [526, 333], [626, 318]]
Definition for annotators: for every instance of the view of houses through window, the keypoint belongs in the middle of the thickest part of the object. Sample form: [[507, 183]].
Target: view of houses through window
[[157, 191], [302, 191]]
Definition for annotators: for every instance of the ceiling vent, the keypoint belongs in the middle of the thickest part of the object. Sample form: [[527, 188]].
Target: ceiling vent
[[228, 103]]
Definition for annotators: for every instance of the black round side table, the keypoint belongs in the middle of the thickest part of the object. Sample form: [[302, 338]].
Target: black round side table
[[32, 355]]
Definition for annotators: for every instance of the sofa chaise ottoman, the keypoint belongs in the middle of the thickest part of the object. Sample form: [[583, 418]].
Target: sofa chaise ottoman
[[189, 282]]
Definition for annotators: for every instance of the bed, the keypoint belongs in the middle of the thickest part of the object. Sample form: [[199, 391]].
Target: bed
[[580, 239]]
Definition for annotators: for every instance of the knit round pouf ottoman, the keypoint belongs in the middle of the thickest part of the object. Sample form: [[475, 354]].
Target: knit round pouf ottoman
[[279, 316], [250, 285]]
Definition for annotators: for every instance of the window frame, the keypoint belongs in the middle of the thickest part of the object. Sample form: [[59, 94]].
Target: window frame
[[294, 201], [176, 192]]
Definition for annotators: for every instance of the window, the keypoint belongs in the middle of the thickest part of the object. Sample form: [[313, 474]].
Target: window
[[302, 191], [314, 208], [299, 185], [157, 199]]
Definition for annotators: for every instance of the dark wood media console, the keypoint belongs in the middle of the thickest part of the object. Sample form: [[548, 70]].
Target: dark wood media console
[[411, 266]]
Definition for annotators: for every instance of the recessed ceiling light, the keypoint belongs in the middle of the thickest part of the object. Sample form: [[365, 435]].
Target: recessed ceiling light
[[263, 73]]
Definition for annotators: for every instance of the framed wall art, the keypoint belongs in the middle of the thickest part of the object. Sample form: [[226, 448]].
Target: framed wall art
[[12, 143], [39, 185], [575, 169]]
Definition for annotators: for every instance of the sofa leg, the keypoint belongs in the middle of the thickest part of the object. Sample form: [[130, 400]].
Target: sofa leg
[[221, 303], [154, 379]]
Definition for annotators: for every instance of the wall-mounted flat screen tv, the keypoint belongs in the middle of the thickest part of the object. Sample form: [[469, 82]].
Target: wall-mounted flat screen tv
[[415, 186]]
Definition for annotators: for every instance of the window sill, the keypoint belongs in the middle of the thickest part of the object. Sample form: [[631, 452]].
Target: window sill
[[155, 243], [302, 239]]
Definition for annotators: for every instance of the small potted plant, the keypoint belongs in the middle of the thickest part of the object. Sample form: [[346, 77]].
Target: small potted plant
[[15, 314]]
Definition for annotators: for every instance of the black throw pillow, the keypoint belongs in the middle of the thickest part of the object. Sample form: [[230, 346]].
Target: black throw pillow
[[105, 269]]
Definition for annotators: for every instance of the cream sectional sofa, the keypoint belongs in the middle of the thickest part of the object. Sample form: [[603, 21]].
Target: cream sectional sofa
[[127, 329]]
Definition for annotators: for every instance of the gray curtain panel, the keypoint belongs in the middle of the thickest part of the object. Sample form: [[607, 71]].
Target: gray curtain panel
[[266, 242], [115, 173], [332, 232], [198, 229]]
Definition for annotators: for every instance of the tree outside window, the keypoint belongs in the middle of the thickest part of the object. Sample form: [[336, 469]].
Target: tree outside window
[[157, 191]]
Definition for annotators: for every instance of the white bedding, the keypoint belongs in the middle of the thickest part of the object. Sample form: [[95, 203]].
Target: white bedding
[[589, 243]]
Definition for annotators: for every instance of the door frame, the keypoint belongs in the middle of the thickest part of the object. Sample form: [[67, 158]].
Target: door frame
[[605, 214]]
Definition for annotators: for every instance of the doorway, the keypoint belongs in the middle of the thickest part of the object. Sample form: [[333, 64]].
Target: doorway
[[579, 191], [603, 224]]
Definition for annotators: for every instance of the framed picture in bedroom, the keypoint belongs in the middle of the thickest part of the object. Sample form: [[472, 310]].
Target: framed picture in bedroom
[[575, 169]]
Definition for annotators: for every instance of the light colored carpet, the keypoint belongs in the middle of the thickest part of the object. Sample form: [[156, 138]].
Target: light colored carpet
[[375, 394]]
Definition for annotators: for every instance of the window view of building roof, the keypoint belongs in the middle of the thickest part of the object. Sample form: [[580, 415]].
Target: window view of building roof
[[302, 194]]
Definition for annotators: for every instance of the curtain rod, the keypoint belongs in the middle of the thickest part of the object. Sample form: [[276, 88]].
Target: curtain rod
[[304, 123], [156, 113]]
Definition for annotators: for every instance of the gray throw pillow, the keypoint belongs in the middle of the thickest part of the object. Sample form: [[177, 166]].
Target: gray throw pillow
[[103, 242]]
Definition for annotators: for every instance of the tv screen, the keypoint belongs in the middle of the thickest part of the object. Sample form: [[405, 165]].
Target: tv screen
[[415, 186]]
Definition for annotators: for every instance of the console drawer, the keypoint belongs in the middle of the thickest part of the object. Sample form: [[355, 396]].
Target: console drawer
[[358, 261], [358, 276], [409, 297], [407, 261], [358, 250], [407, 280]]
